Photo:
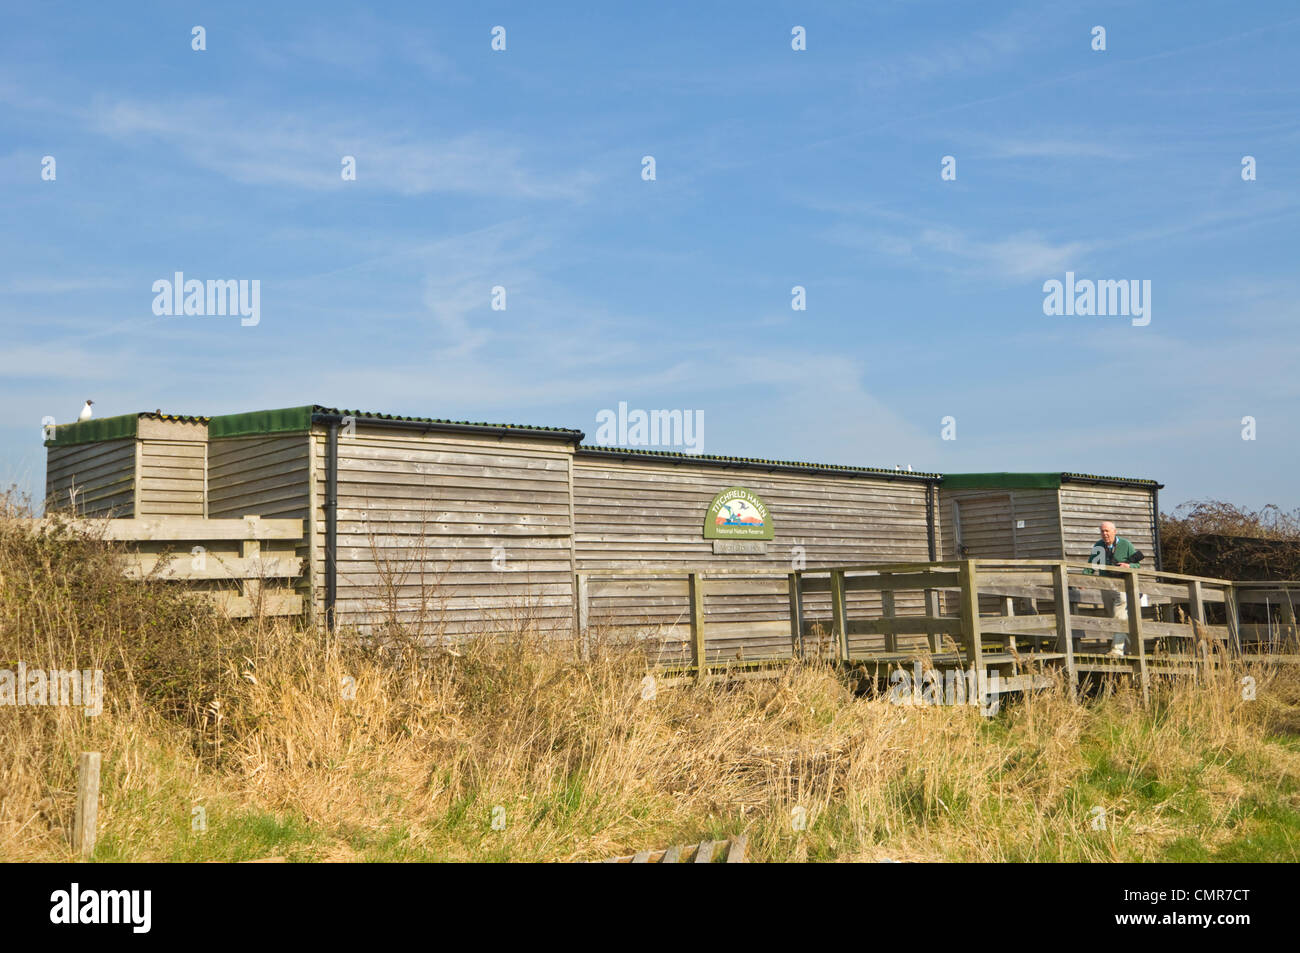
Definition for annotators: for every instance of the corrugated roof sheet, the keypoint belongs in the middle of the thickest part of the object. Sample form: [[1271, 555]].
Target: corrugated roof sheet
[[182, 418], [1109, 479], [441, 420], [755, 462], [120, 427], [299, 420], [1029, 481]]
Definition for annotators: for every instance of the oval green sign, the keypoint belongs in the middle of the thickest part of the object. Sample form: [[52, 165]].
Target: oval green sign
[[737, 513]]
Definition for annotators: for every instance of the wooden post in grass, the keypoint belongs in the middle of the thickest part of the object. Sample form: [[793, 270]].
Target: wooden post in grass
[[1135, 631], [87, 816], [887, 612], [932, 611], [1196, 609], [796, 615], [968, 578], [251, 551], [1064, 637], [1233, 617], [839, 622], [697, 623], [581, 617]]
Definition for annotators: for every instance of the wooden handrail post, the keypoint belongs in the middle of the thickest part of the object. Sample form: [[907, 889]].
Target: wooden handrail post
[[887, 612], [796, 615], [968, 578], [1232, 613], [698, 657], [932, 611], [839, 613], [1196, 611], [1135, 631], [1064, 636], [582, 616], [86, 819], [252, 549]]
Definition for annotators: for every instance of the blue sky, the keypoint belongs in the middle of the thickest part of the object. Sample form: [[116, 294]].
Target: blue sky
[[774, 168]]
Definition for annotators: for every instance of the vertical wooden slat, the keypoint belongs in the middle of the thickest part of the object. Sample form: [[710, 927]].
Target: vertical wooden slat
[[796, 615], [583, 615], [968, 577], [1064, 636], [87, 817], [932, 611], [704, 853], [887, 612], [1231, 610], [1195, 604], [1007, 606], [698, 657], [1196, 609], [135, 480], [736, 850], [839, 624], [1135, 631], [252, 549]]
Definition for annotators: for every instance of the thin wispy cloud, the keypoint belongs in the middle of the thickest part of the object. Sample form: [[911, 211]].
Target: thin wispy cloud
[[305, 152]]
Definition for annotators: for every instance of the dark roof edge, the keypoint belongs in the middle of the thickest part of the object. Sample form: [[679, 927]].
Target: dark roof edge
[[752, 463], [326, 415], [1111, 481], [118, 427], [1043, 480]]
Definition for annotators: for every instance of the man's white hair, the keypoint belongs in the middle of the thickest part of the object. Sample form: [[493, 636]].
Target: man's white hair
[[1105, 523]]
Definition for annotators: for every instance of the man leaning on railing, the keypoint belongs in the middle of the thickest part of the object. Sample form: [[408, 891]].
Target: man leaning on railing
[[1112, 550]]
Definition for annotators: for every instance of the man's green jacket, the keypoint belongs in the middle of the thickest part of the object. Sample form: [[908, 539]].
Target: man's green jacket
[[1122, 552]]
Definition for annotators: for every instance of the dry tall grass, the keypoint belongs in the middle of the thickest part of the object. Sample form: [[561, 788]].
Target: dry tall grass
[[258, 725]]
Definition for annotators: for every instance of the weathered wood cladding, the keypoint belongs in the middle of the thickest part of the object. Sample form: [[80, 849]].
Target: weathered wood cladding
[[94, 479], [645, 514], [466, 529], [160, 471], [1131, 509], [267, 476], [1059, 524], [259, 476], [991, 531], [172, 464], [455, 533]]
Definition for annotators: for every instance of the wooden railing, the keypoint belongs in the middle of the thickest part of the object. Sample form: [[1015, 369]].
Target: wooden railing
[[247, 566], [972, 612]]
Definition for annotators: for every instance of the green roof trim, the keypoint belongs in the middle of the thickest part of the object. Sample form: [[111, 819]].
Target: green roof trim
[[1001, 481], [1095, 478], [285, 420], [94, 430], [1034, 481], [372, 417], [299, 420], [752, 462]]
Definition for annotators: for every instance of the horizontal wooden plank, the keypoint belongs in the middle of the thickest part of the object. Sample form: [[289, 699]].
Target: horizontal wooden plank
[[901, 581], [717, 631], [187, 528], [270, 603], [619, 588], [211, 566], [903, 625]]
